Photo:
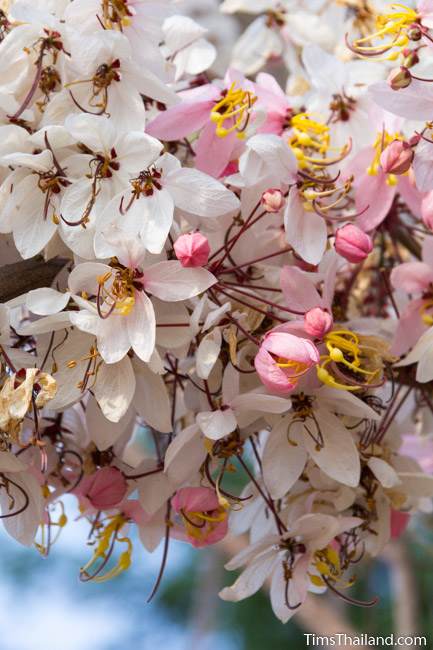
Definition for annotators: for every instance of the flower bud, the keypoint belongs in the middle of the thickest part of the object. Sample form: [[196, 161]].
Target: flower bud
[[411, 58], [399, 78], [283, 359], [352, 243], [105, 489], [414, 32], [397, 157], [273, 200], [317, 322], [192, 249]]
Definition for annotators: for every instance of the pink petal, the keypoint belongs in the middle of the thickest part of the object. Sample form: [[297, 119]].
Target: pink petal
[[213, 154], [179, 121]]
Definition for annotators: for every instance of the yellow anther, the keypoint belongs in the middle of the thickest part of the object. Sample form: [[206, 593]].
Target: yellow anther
[[102, 279], [391, 180], [63, 520], [391, 25], [317, 581], [336, 355], [232, 112], [426, 318]]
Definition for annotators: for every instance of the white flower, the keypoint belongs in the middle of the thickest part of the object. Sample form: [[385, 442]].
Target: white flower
[[147, 208], [121, 313]]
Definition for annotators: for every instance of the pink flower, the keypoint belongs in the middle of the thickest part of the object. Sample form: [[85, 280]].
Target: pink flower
[[397, 157], [273, 200], [219, 111], [414, 278], [192, 249], [352, 243], [317, 322], [205, 520], [376, 190], [282, 359], [104, 489]]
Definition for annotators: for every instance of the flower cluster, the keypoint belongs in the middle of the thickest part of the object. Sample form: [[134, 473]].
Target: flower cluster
[[217, 293]]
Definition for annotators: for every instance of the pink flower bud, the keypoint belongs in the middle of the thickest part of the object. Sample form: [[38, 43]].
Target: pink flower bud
[[399, 78], [105, 489], [273, 200], [414, 33], [283, 359], [317, 322], [352, 243], [397, 157], [192, 249]]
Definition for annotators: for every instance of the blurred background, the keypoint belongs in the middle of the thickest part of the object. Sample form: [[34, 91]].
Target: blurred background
[[45, 607]]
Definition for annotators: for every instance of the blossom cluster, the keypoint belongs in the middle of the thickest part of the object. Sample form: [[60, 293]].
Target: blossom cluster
[[217, 290]]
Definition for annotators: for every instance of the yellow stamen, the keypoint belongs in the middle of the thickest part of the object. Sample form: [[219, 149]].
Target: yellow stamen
[[233, 108]]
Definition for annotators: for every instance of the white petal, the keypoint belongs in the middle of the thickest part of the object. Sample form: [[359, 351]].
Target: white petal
[[103, 432], [96, 132], [184, 455], [46, 301], [156, 218], [216, 424], [384, 473], [339, 457], [208, 352], [283, 463], [23, 527], [151, 399], [114, 388], [170, 281], [200, 194], [113, 338], [141, 326], [305, 231], [251, 579], [136, 151]]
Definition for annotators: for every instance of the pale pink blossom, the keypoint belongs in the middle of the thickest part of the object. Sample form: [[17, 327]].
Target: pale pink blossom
[[282, 359], [204, 519]]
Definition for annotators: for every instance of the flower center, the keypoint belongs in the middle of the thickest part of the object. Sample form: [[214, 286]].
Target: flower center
[[351, 361], [292, 369], [310, 143], [199, 525], [116, 14], [232, 112], [341, 107], [105, 75], [120, 295]]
